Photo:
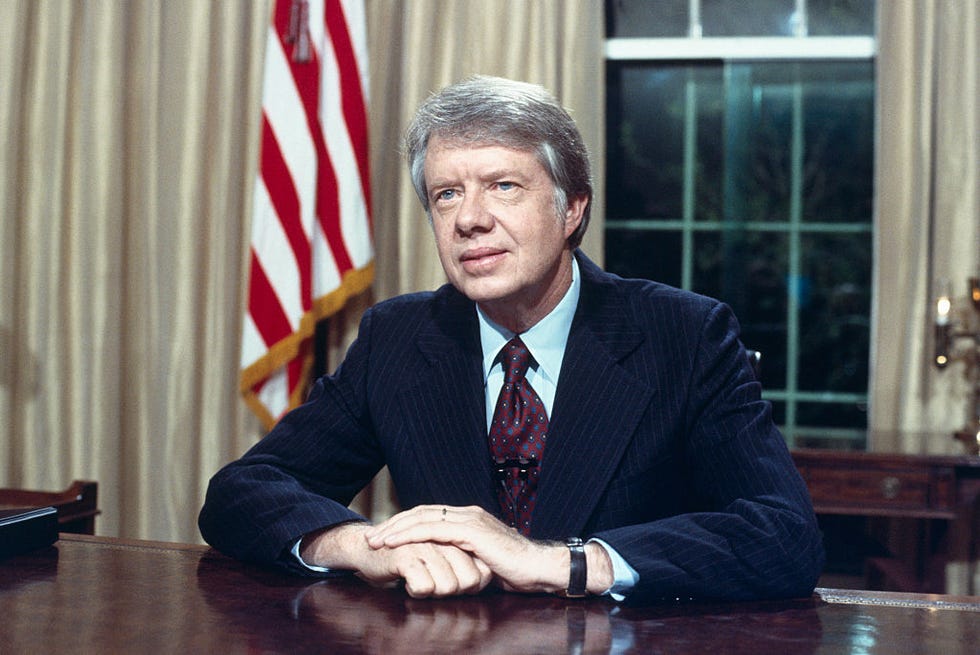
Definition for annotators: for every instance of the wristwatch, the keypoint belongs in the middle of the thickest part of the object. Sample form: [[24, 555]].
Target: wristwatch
[[577, 573]]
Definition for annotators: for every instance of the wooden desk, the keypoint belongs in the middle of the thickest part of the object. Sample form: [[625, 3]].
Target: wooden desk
[[934, 487], [100, 595]]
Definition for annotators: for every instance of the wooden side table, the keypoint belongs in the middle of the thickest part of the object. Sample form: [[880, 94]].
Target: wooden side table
[[928, 487]]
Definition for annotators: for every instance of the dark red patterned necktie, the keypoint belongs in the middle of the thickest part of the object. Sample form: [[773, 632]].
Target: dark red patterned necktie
[[517, 436]]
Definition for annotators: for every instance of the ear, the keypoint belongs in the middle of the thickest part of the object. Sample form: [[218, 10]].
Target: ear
[[574, 213]]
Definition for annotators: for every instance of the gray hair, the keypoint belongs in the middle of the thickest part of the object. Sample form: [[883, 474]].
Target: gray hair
[[484, 110]]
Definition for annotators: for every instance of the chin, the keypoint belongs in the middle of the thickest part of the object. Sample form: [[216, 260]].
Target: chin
[[483, 291]]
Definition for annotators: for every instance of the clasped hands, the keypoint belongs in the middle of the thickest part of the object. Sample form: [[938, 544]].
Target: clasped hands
[[447, 551]]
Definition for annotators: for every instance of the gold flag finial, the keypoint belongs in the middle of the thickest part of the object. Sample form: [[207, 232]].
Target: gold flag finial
[[299, 31]]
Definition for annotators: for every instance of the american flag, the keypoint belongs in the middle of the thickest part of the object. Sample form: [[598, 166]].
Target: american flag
[[311, 226]]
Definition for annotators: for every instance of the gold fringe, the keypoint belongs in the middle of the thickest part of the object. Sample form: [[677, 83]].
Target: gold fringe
[[354, 282]]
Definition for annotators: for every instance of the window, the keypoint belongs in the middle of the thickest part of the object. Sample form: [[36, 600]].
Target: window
[[740, 165]]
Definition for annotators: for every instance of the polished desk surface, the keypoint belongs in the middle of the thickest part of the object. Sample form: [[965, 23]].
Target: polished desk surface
[[96, 594]]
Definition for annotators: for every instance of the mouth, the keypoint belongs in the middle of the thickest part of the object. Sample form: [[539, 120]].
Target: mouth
[[478, 258]]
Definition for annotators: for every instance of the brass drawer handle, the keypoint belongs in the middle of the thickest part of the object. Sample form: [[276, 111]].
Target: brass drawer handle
[[890, 487]]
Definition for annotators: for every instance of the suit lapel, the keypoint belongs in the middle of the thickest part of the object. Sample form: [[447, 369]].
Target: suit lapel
[[447, 405], [596, 410]]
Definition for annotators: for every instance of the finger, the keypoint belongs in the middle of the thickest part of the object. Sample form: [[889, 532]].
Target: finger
[[406, 515], [439, 532], [461, 526], [418, 514], [472, 575], [416, 520], [486, 573], [437, 571], [419, 582]]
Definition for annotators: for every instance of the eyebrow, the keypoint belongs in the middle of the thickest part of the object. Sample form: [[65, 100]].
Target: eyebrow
[[495, 174], [503, 173]]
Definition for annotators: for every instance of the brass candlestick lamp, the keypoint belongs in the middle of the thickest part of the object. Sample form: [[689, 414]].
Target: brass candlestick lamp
[[960, 322]]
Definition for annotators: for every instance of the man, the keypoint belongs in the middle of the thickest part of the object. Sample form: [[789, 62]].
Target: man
[[636, 427]]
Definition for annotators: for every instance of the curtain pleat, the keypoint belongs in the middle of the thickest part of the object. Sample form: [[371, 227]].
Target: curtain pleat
[[927, 216]]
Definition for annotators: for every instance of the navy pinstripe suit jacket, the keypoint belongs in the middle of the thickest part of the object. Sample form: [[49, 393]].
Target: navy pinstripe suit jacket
[[658, 443]]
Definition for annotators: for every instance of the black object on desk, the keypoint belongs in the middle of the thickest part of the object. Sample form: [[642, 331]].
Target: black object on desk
[[24, 530]]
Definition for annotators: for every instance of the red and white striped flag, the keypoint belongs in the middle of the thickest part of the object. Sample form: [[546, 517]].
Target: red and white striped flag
[[311, 226]]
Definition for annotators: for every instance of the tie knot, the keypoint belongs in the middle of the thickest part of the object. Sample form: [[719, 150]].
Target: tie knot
[[515, 359]]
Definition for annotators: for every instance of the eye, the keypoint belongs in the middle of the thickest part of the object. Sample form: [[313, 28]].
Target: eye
[[444, 195], [506, 186]]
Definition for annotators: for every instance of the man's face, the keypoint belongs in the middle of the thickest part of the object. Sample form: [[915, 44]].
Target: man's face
[[498, 233]]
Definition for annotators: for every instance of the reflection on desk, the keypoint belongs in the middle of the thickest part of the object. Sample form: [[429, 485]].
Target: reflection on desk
[[501, 624], [92, 594]]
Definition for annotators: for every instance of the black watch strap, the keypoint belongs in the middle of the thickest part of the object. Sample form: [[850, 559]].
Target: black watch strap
[[577, 573]]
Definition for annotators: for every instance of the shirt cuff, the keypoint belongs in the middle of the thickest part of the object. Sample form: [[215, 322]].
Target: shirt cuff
[[625, 576], [309, 567]]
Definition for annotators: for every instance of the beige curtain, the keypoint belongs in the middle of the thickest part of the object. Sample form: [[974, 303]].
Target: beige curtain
[[928, 215], [124, 172], [126, 164]]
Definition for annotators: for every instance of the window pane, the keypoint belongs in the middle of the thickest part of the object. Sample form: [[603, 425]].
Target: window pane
[[646, 141], [671, 18], [648, 254], [748, 270], [841, 17], [835, 305], [647, 18], [739, 18], [709, 159], [832, 415], [778, 407], [758, 123], [839, 127]]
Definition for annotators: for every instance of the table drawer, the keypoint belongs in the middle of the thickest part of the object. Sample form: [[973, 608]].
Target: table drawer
[[925, 491]]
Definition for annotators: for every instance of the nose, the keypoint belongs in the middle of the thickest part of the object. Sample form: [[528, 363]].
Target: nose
[[474, 215]]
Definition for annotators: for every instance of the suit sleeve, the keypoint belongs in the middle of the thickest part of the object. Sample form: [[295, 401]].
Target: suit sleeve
[[302, 475], [744, 525]]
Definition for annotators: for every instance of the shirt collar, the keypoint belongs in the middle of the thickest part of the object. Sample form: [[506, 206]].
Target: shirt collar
[[545, 340]]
